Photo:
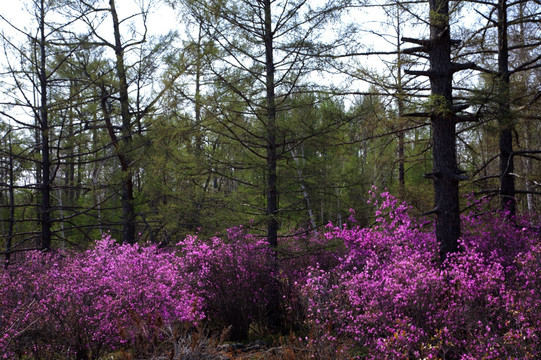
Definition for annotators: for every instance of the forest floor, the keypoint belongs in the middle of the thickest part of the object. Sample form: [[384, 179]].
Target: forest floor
[[260, 352]]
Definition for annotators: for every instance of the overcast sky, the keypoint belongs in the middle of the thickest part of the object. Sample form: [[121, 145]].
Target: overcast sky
[[162, 19]]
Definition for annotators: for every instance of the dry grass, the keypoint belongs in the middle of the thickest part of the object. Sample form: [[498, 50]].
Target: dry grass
[[181, 343]]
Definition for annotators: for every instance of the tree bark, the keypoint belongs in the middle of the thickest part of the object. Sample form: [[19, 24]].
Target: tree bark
[[11, 226], [272, 192], [445, 173], [305, 194], [45, 187], [400, 101], [505, 120], [127, 199]]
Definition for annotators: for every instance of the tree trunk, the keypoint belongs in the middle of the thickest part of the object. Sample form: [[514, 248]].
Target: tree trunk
[[445, 173], [305, 194], [505, 119], [401, 170], [9, 238], [400, 101], [45, 187], [127, 199], [272, 192]]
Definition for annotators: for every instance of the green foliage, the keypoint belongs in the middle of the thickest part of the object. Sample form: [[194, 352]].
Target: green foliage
[[438, 19], [200, 122], [438, 105]]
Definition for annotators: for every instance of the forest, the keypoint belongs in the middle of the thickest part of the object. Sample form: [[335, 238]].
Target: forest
[[329, 179]]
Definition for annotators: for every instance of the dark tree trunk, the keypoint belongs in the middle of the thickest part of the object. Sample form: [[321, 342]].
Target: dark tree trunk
[[70, 170], [198, 105], [505, 120], [272, 192], [9, 238], [401, 134], [273, 315], [127, 199], [105, 108], [45, 187], [196, 216], [401, 169], [445, 173], [400, 100]]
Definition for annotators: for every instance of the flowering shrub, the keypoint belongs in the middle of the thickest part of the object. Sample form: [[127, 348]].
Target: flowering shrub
[[297, 254], [392, 300], [375, 293], [81, 304], [233, 276]]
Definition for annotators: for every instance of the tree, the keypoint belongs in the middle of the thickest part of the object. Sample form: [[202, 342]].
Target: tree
[[269, 47], [7, 178], [47, 51], [132, 109], [446, 174], [404, 90], [503, 45]]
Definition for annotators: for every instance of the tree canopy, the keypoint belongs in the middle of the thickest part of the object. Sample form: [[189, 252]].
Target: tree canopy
[[282, 114]]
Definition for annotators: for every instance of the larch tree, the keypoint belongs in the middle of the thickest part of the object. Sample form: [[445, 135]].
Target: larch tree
[[269, 47], [50, 44], [443, 116], [509, 54], [133, 92], [403, 89]]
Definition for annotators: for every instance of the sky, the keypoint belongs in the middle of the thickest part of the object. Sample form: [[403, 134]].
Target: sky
[[162, 18]]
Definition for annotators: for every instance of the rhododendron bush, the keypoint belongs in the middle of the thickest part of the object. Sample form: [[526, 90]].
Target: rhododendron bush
[[82, 304], [234, 277], [390, 299], [375, 293]]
